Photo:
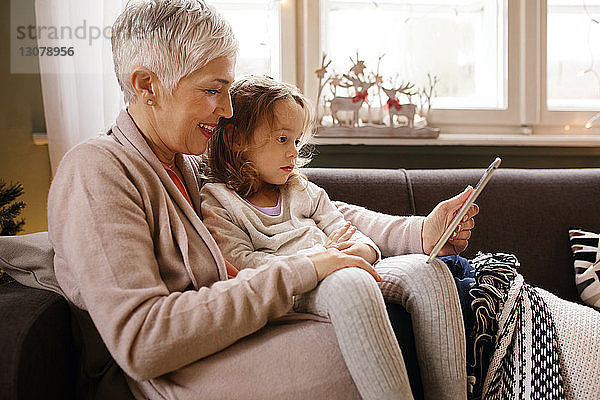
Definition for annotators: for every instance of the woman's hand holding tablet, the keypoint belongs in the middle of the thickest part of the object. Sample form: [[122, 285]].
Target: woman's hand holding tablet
[[464, 209]]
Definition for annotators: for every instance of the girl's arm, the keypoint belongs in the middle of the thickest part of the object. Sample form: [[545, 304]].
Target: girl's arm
[[329, 219], [233, 240], [394, 235]]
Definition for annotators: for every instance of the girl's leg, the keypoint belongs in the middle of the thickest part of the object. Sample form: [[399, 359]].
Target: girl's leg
[[353, 302], [429, 294]]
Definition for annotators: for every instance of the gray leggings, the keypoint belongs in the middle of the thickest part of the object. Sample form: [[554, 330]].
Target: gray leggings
[[354, 303]]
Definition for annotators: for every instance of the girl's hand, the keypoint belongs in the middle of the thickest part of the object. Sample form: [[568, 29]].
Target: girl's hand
[[330, 260], [340, 235], [362, 250], [340, 239], [436, 222]]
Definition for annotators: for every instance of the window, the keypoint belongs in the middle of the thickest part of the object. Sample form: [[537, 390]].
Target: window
[[266, 33], [573, 54], [256, 26], [504, 66], [461, 42]]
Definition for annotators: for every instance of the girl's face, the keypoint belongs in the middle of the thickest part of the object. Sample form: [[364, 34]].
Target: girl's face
[[274, 148]]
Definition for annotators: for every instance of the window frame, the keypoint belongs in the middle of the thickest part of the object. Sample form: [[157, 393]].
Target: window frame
[[526, 114], [289, 47], [555, 121]]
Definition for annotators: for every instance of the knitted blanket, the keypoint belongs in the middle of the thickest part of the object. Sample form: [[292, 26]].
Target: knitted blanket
[[521, 346]]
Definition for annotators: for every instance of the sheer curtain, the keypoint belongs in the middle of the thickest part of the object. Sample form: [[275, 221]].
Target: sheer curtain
[[80, 91]]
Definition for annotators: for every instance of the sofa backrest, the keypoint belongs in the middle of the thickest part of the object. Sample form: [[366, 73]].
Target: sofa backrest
[[524, 212]]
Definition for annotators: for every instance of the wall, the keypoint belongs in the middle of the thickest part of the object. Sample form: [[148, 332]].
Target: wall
[[21, 112]]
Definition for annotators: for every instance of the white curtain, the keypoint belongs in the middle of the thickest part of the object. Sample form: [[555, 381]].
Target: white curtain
[[80, 91]]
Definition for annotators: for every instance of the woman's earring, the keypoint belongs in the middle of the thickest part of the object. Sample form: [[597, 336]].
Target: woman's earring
[[149, 102]]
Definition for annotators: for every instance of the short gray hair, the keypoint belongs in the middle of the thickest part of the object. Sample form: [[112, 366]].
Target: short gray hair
[[172, 38]]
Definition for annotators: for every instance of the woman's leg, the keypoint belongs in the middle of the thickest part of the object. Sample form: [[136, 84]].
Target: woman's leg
[[429, 294], [353, 302]]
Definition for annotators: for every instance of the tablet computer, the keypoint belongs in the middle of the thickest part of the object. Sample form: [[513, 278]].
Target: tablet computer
[[465, 207]]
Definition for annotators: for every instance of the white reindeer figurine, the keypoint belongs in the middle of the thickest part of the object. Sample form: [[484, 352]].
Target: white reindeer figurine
[[395, 108], [353, 104]]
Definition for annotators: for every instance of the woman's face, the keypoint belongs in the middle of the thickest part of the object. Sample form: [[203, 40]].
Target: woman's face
[[185, 119], [275, 147]]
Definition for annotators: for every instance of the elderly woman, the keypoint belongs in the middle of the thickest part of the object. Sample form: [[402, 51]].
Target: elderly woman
[[131, 249]]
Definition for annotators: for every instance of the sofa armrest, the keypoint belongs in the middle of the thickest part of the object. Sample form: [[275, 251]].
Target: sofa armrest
[[37, 354]]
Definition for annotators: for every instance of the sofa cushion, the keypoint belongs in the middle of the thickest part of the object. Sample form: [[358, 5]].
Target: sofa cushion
[[585, 247], [29, 259], [382, 190], [37, 356]]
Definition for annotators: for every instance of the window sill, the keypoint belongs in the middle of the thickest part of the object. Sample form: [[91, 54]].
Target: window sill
[[468, 140]]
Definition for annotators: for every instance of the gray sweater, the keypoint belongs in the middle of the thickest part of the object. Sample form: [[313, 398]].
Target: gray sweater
[[248, 237]]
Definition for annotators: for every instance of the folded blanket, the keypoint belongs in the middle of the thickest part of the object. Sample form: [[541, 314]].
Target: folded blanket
[[527, 343], [578, 333]]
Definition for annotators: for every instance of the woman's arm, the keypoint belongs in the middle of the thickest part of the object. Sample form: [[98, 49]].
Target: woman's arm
[[101, 226]]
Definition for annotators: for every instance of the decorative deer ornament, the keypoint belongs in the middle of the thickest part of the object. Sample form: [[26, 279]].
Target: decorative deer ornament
[[395, 108], [354, 103]]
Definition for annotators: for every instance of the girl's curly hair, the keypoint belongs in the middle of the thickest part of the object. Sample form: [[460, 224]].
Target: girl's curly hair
[[253, 99]]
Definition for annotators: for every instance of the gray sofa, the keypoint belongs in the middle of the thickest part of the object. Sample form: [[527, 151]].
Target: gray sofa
[[525, 212]]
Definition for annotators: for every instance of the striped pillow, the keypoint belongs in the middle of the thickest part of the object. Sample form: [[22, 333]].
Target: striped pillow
[[586, 252]]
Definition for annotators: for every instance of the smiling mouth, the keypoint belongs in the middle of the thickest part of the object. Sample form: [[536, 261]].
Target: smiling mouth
[[287, 169], [207, 130]]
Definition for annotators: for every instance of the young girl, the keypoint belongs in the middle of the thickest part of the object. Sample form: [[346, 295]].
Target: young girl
[[260, 207]]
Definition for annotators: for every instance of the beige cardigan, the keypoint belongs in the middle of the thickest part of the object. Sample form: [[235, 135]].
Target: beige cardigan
[[129, 248]]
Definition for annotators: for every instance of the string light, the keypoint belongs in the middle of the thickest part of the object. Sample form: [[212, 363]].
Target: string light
[[590, 123], [582, 73]]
